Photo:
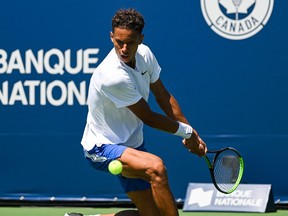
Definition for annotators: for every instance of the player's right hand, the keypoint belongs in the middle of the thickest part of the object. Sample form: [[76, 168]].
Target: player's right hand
[[195, 144]]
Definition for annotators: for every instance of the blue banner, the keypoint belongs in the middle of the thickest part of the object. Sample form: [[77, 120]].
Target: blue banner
[[227, 67]]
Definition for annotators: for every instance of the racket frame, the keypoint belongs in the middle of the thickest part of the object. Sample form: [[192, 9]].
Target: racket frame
[[211, 168]]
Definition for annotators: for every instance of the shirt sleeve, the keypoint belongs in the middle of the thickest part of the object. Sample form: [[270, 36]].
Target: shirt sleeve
[[121, 90], [152, 64]]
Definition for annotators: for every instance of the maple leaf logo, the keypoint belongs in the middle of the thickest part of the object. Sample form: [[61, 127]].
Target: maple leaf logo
[[237, 6]]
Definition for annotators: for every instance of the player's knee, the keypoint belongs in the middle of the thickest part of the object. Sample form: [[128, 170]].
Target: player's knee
[[158, 172]]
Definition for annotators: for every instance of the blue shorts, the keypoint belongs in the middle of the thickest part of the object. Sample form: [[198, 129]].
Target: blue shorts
[[100, 157]]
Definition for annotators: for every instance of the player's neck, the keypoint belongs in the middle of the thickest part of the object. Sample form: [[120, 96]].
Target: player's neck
[[132, 63]]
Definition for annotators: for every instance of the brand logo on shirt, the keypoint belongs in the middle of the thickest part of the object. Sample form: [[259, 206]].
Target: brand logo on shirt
[[236, 19]]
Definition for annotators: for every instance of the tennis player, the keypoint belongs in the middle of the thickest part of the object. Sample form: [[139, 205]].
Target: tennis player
[[118, 109]]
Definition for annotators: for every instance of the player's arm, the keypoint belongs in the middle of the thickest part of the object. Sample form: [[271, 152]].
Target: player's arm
[[142, 110], [172, 109], [167, 102]]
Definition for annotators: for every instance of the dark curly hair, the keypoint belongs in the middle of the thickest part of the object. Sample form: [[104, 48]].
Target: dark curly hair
[[128, 19]]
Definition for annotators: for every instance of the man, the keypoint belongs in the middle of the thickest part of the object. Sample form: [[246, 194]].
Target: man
[[118, 108]]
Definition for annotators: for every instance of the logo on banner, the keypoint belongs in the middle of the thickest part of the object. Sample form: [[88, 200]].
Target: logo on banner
[[238, 198], [46, 77], [236, 19], [252, 198], [200, 197]]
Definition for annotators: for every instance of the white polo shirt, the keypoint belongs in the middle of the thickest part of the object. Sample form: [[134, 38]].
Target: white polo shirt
[[113, 87]]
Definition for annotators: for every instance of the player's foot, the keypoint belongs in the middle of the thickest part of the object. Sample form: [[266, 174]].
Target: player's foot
[[73, 214], [78, 214]]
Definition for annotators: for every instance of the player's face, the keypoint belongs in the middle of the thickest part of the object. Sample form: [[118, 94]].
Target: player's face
[[126, 44]]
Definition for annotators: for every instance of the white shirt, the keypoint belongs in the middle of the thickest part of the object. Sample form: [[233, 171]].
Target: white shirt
[[113, 87]]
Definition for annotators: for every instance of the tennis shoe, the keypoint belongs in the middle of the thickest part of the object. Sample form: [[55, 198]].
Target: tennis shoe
[[78, 214], [73, 214]]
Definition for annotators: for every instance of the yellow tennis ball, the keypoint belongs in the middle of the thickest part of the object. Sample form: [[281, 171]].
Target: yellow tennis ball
[[115, 167]]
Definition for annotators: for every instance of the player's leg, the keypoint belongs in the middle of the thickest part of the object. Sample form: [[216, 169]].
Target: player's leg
[[144, 202], [122, 213], [144, 165]]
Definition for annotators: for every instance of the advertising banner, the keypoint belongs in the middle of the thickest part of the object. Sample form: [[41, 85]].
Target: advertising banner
[[226, 63], [246, 198]]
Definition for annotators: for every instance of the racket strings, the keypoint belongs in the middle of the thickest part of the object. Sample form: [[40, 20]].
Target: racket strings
[[226, 170]]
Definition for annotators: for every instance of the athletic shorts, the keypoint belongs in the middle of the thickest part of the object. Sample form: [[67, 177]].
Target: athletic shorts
[[100, 157]]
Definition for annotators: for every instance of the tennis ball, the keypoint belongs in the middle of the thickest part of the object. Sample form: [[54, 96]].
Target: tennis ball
[[115, 167]]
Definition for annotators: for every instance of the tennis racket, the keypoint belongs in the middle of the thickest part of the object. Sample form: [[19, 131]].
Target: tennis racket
[[226, 169]]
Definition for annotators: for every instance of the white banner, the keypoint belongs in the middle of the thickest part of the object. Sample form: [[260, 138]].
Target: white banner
[[247, 198]]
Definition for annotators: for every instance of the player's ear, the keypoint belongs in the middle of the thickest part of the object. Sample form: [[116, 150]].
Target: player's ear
[[111, 36], [141, 39]]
